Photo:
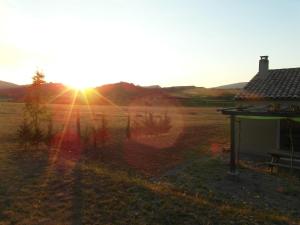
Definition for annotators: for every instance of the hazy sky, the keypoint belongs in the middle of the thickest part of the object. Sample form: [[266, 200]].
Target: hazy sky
[[165, 42]]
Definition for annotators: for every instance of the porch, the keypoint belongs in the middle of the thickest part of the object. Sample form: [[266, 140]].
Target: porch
[[280, 140]]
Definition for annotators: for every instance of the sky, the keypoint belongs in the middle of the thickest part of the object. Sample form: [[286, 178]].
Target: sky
[[146, 42]]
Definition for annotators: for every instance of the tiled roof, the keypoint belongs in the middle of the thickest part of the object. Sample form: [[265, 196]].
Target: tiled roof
[[279, 84]]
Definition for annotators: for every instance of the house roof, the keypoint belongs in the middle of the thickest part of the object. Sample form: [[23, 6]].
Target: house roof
[[279, 84]]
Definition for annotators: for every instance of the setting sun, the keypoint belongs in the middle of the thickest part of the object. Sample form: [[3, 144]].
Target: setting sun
[[78, 86]]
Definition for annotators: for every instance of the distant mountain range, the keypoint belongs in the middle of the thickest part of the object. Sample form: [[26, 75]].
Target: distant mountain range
[[121, 93], [4, 85], [233, 86]]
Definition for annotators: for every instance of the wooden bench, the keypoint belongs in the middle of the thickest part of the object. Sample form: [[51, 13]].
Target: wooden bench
[[279, 157]]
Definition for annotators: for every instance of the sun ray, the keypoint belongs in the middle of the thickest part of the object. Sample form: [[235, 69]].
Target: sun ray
[[67, 89], [108, 100], [66, 124], [57, 148], [91, 112]]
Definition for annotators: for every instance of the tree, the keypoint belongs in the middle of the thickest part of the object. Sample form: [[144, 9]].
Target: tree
[[35, 112]]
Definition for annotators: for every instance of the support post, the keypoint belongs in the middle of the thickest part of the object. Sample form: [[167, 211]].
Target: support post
[[233, 169]]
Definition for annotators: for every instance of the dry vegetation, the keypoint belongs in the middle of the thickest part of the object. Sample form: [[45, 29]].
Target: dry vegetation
[[174, 178]]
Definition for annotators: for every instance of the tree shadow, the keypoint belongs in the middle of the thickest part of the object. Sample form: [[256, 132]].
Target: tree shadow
[[77, 200]]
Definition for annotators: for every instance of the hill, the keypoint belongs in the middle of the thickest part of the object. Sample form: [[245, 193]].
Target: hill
[[123, 93], [52, 93], [5, 85], [191, 91], [200, 96], [233, 86]]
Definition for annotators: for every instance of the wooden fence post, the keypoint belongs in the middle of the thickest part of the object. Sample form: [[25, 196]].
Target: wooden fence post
[[78, 123], [128, 131]]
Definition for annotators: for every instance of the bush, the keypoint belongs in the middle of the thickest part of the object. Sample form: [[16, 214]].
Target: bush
[[153, 124], [24, 134]]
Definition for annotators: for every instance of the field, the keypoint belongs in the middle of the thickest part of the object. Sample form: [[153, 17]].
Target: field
[[175, 177]]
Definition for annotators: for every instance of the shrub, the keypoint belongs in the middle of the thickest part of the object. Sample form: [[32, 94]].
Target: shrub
[[153, 124], [24, 134]]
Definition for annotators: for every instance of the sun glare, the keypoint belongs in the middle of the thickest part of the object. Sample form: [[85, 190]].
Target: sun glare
[[78, 86]]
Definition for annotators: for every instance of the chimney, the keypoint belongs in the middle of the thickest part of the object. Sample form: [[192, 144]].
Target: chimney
[[263, 66]]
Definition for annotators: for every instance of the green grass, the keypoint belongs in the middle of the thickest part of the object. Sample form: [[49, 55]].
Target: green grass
[[127, 182]]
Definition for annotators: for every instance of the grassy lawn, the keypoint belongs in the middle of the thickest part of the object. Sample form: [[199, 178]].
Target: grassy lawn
[[177, 178]]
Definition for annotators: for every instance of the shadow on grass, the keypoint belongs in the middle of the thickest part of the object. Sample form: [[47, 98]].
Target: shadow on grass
[[150, 160], [31, 163], [19, 169], [113, 197], [77, 196]]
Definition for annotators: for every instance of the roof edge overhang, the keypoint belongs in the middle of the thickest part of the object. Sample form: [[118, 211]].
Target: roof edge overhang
[[295, 99], [235, 112]]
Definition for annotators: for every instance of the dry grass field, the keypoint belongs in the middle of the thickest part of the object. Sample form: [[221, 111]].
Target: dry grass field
[[176, 177]]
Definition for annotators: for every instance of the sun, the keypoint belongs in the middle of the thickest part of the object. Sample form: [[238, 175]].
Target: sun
[[79, 86]]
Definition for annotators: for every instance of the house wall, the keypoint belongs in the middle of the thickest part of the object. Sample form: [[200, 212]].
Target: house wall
[[257, 137]]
